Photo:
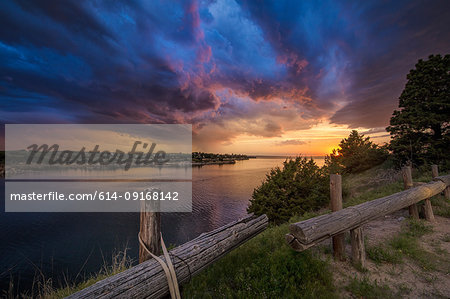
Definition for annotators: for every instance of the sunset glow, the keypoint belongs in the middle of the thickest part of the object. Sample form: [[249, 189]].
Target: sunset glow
[[272, 78], [318, 140]]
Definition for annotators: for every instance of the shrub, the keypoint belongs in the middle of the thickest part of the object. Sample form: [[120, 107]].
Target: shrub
[[298, 187], [364, 288], [355, 154], [380, 254]]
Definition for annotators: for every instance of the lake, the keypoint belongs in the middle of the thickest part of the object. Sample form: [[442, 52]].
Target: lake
[[73, 243]]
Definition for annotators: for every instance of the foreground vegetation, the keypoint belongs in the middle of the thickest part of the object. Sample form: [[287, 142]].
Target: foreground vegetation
[[264, 267], [300, 186], [404, 245], [403, 255], [267, 267], [44, 287]]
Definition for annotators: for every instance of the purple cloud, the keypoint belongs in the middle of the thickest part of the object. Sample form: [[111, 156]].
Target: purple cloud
[[266, 68]]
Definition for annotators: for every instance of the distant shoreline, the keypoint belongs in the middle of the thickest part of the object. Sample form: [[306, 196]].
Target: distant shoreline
[[233, 161], [213, 163], [201, 159], [285, 157]]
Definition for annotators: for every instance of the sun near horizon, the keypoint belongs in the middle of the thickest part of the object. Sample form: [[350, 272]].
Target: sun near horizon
[[319, 140]]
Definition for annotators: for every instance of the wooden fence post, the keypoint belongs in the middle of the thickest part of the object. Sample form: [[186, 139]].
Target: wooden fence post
[[336, 205], [358, 249], [447, 192], [150, 228], [428, 209], [408, 183], [434, 171]]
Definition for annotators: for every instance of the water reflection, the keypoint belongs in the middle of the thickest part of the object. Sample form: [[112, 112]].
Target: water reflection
[[62, 242]]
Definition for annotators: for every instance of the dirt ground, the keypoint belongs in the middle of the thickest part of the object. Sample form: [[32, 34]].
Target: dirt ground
[[406, 279]]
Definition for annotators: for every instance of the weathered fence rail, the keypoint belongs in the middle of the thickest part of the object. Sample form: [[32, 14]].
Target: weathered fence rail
[[147, 280], [310, 232], [314, 229]]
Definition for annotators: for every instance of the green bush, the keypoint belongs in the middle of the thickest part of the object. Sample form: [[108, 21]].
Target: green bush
[[355, 154], [298, 187]]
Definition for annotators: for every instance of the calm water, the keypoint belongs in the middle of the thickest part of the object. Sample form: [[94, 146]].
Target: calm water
[[73, 243]]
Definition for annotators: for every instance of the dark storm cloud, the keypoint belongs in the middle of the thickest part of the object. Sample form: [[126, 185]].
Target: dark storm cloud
[[92, 62], [263, 67], [358, 52], [398, 37]]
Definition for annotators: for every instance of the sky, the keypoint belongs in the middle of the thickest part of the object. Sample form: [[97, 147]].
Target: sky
[[254, 77], [170, 138]]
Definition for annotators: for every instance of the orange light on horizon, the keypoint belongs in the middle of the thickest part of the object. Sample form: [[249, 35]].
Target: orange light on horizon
[[319, 140]]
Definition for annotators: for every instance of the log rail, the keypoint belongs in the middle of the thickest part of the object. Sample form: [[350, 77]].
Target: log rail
[[310, 232], [147, 280]]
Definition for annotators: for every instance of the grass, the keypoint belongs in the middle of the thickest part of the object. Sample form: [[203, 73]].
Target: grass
[[441, 206], [446, 238], [119, 262], [364, 288], [44, 288], [372, 194], [380, 254], [265, 267], [406, 244], [370, 184], [409, 246]]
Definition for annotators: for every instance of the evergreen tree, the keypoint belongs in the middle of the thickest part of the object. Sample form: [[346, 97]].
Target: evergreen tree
[[420, 128], [356, 153]]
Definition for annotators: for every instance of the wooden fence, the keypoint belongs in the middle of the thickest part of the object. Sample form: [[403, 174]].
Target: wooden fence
[[308, 233], [148, 280]]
